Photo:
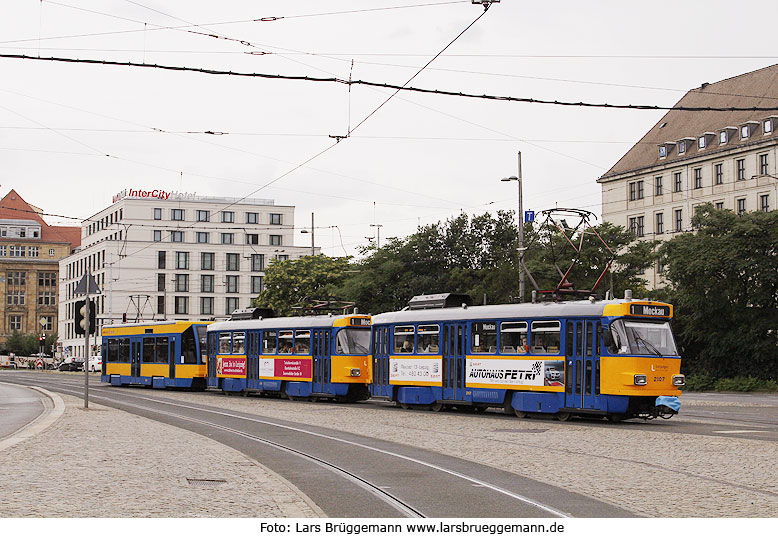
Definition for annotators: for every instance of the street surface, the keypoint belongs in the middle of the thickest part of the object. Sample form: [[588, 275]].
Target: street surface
[[383, 461]]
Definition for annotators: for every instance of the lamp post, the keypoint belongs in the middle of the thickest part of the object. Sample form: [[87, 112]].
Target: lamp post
[[304, 231], [378, 227], [517, 179], [775, 180]]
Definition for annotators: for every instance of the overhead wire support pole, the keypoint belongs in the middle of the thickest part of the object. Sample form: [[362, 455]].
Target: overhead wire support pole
[[87, 329]]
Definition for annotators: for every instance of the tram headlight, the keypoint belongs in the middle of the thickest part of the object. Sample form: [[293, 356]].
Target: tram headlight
[[641, 379], [679, 380], [356, 372]]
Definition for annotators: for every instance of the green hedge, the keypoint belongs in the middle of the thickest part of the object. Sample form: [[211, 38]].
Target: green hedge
[[706, 382]]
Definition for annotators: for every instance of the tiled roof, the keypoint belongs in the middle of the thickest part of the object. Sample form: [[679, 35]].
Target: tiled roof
[[755, 89], [13, 206]]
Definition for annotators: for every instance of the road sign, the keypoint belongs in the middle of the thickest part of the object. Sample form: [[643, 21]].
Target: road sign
[[81, 286], [42, 321], [529, 216]]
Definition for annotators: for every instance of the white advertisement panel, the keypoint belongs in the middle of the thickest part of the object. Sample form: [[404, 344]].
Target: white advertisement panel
[[509, 372], [416, 369]]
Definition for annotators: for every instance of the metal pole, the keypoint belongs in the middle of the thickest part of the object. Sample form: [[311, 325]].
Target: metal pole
[[313, 249], [521, 237], [86, 341]]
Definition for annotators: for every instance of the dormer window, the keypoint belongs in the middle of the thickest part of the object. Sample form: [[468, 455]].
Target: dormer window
[[768, 126], [682, 147], [685, 144], [701, 142], [723, 137], [662, 152]]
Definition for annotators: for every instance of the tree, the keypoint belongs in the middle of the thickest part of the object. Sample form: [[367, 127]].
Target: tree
[[724, 287], [290, 283]]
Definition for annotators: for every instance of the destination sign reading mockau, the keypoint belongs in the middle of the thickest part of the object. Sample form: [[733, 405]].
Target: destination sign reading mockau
[[650, 310]]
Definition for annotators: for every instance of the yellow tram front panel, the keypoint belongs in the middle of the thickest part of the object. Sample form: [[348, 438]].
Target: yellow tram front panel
[[522, 373], [617, 375], [343, 366]]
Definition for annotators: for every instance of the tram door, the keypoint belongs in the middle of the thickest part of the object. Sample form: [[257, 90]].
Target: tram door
[[135, 355], [582, 365], [252, 355], [321, 345], [454, 366], [381, 345]]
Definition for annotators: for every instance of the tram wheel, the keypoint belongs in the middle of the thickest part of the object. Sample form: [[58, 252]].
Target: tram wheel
[[314, 399], [519, 413], [436, 406], [563, 416], [404, 405], [480, 408]]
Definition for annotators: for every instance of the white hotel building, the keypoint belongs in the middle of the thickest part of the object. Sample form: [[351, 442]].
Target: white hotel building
[[183, 257]]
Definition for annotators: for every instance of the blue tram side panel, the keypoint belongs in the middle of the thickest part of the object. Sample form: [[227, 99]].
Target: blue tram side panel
[[155, 354], [530, 358]]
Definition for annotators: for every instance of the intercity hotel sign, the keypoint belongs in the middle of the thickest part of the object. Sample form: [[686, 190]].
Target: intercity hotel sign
[[160, 194]]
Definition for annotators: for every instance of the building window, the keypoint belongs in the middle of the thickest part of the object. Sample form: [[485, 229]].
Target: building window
[[633, 225], [698, 178], [232, 284], [763, 162], [723, 137], [662, 152], [161, 259], [632, 190], [256, 284], [678, 220], [718, 172], [764, 202], [744, 132], [228, 237], [232, 305], [32, 251], [203, 216], [202, 237], [15, 323], [257, 262], [157, 235], [741, 169], [640, 189], [275, 240], [252, 239], [206, 305], [682, 147], [182, 260], [160, 282], [658, 186], [282, 257], [768, 126], [47, 279], [741, 206], [701, 142], [206, 283], [275, 219], [677, 187], [177, 236], [228, 217], [160, 304], [640, 227], [16, 297], [233, 262], [719, 205], [157, 214], [17, 251], [182, 305], [182, 282], [660, 223], [49, 325], [206, 261], [252, 218], [177, 214], [46, 299], [51, 252]]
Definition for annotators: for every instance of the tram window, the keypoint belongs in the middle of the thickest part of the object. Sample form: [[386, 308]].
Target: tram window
[[589, 338], [355, 341], [404, 337], [546, 337], [239, 342], [161, 350], [569, 339], [302, 341], [484, 337], [429, 339], [124, 350], [188, 352], [225, 343], [148, 349], [513, 338], [268, 342], [202, 337], [285, 341], [112, 352]]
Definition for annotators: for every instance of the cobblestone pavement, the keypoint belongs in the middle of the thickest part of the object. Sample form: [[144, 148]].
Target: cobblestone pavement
[[103, 462], [647, 471]]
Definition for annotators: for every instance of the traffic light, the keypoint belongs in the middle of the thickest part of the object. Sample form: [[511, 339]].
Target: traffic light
[[81, 313]]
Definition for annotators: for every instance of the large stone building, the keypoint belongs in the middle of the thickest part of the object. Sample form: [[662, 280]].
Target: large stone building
[[727, 158], [30, 250], [157, 255]]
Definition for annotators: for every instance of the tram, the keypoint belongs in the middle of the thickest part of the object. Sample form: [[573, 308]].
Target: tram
[[614, 358], [155, 354], [306, 357]]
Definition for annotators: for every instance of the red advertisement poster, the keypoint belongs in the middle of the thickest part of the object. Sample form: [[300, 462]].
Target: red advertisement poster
[[293, 368], [231, 366]]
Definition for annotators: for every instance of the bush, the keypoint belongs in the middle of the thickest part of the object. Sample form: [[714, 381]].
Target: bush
[[742, 383], [700, 382]]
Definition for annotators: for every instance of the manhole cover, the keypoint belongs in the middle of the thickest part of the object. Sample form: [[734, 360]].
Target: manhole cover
[[205, 482], [528, 431]]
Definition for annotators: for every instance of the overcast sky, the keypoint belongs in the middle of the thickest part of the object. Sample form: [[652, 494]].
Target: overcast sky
[[419, 159]]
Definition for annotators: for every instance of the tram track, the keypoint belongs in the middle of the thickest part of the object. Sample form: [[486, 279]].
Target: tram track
[[152, 407]]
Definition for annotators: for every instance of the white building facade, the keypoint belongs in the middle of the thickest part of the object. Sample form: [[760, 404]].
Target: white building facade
[[157, 255], [726, 158]]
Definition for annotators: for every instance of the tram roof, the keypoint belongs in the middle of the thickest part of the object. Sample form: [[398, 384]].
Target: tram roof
[[512, 310], [324, 321]]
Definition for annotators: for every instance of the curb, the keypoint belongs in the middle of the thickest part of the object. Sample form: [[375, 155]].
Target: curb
[[53, 406]]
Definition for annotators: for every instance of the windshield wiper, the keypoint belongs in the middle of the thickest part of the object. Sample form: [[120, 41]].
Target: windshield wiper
[[648, 346]]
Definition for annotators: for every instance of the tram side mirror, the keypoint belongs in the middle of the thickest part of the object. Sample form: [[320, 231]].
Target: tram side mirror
[[607, 338]]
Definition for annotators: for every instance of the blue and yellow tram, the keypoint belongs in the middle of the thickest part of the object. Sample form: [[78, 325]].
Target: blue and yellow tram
[[156, 354], [612, 358], [307, 357]]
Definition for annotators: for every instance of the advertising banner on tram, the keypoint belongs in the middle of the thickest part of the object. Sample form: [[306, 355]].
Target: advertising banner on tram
[[297, 368], [230, 366], [514, 372], [415, 369]]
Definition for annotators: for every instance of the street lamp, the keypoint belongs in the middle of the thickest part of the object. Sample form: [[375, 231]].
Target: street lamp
[[757, 176], [517, 179], [378, 227]]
